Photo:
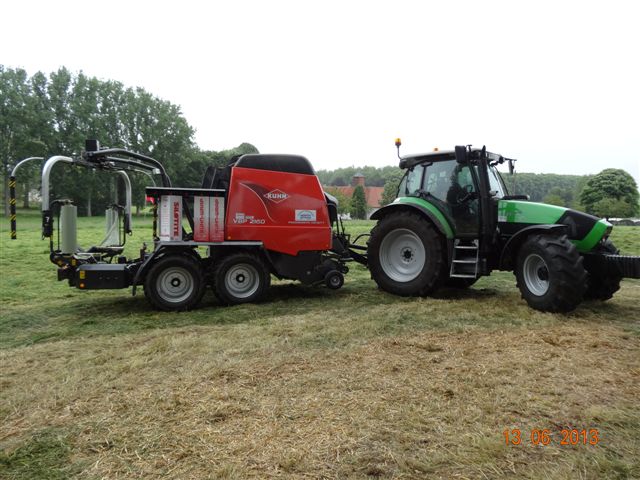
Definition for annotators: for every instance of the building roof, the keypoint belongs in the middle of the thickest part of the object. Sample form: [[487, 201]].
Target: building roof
[[373, 195]]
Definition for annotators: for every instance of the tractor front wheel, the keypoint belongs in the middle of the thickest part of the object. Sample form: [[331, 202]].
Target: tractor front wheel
[[406, 255], [241, 278], [550, 274], [174, 283]]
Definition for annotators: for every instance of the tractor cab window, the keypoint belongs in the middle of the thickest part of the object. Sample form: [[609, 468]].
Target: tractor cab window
[[495, 183], [448, 181], [437, 180], [452, 187], [412, 181]]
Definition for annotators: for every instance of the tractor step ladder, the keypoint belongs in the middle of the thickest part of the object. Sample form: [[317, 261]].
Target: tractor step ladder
[[466, 256]]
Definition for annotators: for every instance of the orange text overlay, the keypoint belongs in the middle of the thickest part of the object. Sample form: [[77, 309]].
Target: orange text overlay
[[568, 436]]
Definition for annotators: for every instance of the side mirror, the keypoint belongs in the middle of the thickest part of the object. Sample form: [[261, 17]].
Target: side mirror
[[511, 169], [461, 154]]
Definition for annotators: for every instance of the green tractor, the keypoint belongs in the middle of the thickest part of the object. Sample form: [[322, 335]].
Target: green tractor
[[453, 221]]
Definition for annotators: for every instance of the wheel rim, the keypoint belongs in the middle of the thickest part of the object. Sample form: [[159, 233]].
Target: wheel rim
[[536, 274], [242, 280], [175, 284], [402, 255]]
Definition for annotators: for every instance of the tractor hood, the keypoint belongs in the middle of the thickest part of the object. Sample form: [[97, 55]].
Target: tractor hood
[[585, 230]]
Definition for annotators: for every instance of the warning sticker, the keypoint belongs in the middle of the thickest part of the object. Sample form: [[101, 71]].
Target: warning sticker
[[305, 215]]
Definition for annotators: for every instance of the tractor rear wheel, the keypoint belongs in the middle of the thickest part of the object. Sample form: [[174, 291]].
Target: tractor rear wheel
[[241, 277], [406, 255], [174, 283], [550, 274], [602, 286]]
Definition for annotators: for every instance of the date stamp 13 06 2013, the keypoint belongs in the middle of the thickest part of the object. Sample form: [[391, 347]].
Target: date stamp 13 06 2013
[[546, 436]]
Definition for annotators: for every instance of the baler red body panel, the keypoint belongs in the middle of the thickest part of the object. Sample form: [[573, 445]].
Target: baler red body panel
[[286, 211]]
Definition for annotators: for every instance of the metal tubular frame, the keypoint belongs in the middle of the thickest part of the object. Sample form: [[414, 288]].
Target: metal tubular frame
[[106, 154], [46, 173], [127, 208], [47, 219]]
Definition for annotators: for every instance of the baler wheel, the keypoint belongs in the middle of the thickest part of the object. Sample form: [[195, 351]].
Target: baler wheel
[[334, 280], [174, 283], [241, 277]]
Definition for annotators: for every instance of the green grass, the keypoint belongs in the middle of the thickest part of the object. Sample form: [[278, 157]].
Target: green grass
[[46, 455], [311, 382], [36, 307]]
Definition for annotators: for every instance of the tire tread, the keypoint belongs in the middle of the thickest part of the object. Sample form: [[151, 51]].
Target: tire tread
[[567, 273]]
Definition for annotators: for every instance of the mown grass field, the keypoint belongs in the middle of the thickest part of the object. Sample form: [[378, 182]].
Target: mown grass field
[[312, 383]]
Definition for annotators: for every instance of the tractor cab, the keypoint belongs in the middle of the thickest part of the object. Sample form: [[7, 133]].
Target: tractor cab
[[456, 181], [464, 187]]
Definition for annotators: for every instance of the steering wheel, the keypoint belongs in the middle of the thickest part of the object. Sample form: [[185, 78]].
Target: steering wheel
[[462, 194]]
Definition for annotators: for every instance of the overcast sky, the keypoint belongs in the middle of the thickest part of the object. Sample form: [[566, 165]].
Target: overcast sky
[[555, 84]]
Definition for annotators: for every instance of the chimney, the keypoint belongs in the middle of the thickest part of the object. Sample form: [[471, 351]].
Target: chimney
[[358, 179]]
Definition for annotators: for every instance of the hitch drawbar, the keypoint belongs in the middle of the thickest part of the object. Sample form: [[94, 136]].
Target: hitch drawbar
[[625, 266]]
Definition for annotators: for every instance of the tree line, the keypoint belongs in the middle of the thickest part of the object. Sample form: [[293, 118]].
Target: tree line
[[611, 193], [44, 115]]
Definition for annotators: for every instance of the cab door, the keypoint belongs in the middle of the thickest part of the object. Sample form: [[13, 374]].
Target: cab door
[[463, 201]]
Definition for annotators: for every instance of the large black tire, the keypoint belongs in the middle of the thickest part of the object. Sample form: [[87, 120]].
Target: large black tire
[[406, 255], [241, 277], [174, 283], [458, 282], [602, 286], [550, 274]]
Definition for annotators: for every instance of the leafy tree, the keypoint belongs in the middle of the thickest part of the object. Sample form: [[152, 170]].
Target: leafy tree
[[614, 185], [554, 199], [339, 182], [344, 202], [391, 187], [358, 203], [49, 115], [538, 185], [577, 191], [611, 207], [374, 176], [560, 197], [14, 121]]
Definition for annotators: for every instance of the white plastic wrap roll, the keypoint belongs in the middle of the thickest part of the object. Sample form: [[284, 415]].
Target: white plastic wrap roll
[[68, 229], [112, 237]]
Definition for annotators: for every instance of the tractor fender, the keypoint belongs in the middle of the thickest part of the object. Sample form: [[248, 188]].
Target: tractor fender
[[513, 244], [392, 208]]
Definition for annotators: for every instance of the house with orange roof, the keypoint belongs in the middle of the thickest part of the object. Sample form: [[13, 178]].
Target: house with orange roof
[[373, 195]]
